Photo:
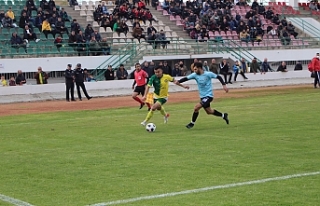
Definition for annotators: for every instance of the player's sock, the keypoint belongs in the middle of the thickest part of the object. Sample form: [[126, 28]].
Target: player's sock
[[217, 113], [162, 111], [138, 100], [149, 105], [194, 117], [149, 115]]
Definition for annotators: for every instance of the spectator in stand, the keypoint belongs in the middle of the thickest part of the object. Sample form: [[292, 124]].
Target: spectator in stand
[[269, 14], [244, 65], [285, 37], [104, 8], [214, 67], [53, 20], [205, 66], [97, 36], [265, 67], [10, 14], [152, 39], [313, 6], [97, 14], [46, 29], [138, 33], [162, 39], [44, 5], [105, 48], [75, 26], [290, 29], [12, 81], [273, 33], [81, 43], [30, 5], [17, 42], [254, 67], [244, 36], [109, 74], [166, 68], [122, 73], [58, 42], [64, 15], [105, 22], [28, 35], [224, 70], [88, 32], [73, 3], [24, 20], [25, 10], [7, 22], [94, 46], [3, 81], [237, 69], [1, 16], [298, 66], [72, 39], [150, 29], [20, 80], [282, 67], [41, 76], [38, 21], [176, 72], [61, 28]]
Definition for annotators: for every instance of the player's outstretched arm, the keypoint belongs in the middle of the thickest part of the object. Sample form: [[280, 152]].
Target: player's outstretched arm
[[223, 83], [146, 92], [134, 83], [181, 85]]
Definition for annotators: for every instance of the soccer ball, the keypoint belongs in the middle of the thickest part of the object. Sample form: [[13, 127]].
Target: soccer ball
[[151, 127]]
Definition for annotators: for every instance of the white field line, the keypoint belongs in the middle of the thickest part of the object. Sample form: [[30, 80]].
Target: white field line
[[205, 189], [13, 201]]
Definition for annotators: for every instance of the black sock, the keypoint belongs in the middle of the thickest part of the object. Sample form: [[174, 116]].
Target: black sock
[[194, 117], [217, 113]]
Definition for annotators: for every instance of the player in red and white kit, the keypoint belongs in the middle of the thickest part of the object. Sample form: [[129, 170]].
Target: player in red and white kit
[[140, 78]]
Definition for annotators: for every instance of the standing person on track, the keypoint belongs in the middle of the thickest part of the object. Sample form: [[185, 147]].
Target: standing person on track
[[160, 82], [69, 76], [315, 67], [79, 79], [140, 78], [203, 79]]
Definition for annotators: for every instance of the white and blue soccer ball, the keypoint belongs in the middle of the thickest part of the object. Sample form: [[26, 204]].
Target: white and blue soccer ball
[[150, 127]]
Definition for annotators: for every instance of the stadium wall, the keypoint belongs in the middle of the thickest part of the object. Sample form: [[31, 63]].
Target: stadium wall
[[114, 86], [51, 63]]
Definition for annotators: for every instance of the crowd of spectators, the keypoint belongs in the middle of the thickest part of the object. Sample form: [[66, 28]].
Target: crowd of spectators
[[50, 21], [211, 19]]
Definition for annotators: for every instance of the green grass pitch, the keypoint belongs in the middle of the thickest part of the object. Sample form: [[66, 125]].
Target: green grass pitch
[[81, 158]]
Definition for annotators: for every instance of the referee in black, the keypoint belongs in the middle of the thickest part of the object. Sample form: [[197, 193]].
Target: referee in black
[[69, 76], [79, 79]]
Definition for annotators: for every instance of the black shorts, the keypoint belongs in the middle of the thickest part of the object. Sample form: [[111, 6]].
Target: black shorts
[[140, 89], [205, 102]]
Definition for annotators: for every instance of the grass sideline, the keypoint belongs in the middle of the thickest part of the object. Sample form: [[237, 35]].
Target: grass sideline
[[80, 158]]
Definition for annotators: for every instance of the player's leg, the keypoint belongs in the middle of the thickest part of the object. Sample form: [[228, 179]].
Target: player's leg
[[142, 91], [155, 106], [215, 112], [195, 115], [165, 115], [135, 94]]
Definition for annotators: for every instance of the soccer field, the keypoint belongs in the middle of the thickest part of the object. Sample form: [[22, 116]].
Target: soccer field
[[106, 156]]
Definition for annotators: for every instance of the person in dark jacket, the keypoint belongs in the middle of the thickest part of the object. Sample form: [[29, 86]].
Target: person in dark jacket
[[30, 5], [60, 27], [69, 76], [298, 66], [79, 79], [122, 73], [224, 70], [109, 74], [17, 42], [20, 80], [41, 77]]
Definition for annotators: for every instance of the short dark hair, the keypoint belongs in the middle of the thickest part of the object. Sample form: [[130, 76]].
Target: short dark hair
[[198, 64], [158, 67], [137, 64]]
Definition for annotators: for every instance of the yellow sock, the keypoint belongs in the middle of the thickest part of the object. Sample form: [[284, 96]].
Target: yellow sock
[[149, 115], [162, 111]]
